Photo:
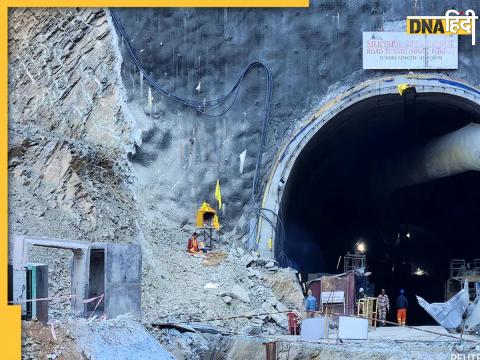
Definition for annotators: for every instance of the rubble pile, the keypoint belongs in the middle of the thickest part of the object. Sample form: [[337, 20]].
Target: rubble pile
[[67, 184], [178, 287], [39, 342], [121, 338]]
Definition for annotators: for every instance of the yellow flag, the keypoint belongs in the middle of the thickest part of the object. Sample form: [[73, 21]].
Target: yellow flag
[[218, 195], [216, 223]]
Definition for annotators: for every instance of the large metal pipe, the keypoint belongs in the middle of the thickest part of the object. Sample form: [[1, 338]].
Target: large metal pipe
[[447, 155]]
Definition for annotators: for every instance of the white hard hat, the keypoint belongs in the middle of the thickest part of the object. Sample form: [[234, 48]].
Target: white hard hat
[[361, 290]]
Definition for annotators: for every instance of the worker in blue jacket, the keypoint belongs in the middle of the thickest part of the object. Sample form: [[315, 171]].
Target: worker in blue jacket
[[402, 305], [310, 304]]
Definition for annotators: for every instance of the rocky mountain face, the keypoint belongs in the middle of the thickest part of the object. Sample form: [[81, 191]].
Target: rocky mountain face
[[69, 176], [64, 79], [68, 132]]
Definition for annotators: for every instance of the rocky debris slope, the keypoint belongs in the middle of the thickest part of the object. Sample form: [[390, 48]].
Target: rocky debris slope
[[179, 287], [188, 345], [284, 284], [68, 184], [69, 177], [121, 338], [39, 343]]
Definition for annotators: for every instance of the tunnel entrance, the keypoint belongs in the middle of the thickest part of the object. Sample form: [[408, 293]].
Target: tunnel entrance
[[339, 192]]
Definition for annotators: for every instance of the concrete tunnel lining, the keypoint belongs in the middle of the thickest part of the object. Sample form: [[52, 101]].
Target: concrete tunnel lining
[[287, 156]]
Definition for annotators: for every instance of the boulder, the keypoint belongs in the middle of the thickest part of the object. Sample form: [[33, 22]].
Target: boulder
[[253, 329], [272, 301], [281, 320], [269, 264], [240, 293], [254, 273], [281, 307], [284, 284], [247, 260]]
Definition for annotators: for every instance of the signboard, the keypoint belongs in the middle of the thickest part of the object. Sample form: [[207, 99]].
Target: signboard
[[330, 297], [399, 50]]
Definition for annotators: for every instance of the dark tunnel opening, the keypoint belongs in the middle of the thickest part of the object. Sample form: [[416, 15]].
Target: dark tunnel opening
[[335, 197]]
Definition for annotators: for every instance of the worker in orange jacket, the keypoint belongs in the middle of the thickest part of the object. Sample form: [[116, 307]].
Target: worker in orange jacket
[[192, 246]]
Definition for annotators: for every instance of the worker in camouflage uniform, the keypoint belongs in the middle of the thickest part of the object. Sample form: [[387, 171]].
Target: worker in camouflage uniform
[[383, 307]]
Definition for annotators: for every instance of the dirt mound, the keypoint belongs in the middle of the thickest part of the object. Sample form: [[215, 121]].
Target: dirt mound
[[214, 259], [39, 341]]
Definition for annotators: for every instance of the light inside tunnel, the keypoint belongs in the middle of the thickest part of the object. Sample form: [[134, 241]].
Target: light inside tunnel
[[338, 196], [361, 247]]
